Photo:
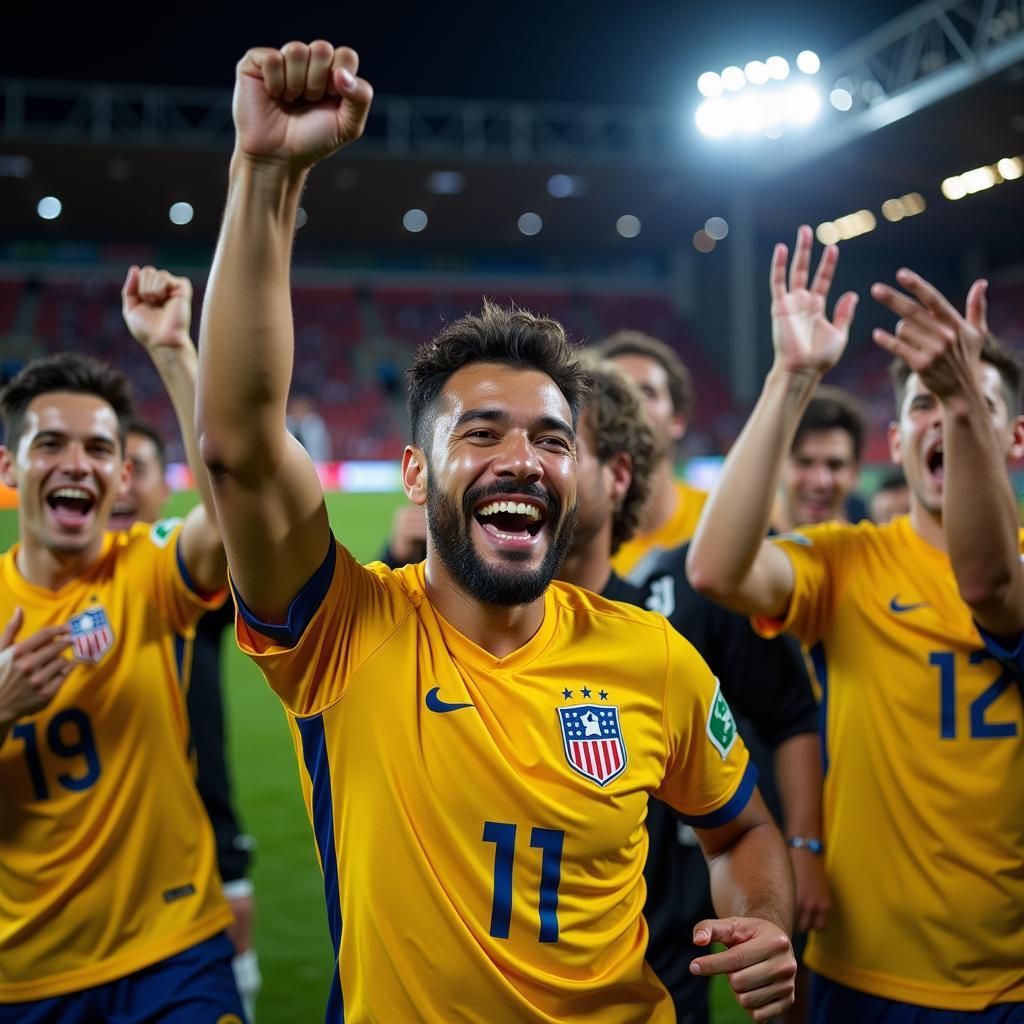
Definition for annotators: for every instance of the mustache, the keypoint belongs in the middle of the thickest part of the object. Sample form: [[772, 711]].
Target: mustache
[[534, 492]]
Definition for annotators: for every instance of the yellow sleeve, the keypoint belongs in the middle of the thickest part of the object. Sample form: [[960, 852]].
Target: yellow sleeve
[[158, 575], [341, 615], [709, 777], [821, 558]]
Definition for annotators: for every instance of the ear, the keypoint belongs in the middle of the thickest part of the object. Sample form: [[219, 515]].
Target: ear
[[7, 467], [1016, 451], [620, 469], [414, 474], [895, 443]]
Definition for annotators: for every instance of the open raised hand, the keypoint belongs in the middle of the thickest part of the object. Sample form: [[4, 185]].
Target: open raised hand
[[157, 308], [299, 104], [932, 338], [805, 339]]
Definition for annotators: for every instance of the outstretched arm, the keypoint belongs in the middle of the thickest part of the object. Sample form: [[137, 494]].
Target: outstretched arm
[[729, 559], [752, 889], [979, 509], [292, 108], [157, 309]]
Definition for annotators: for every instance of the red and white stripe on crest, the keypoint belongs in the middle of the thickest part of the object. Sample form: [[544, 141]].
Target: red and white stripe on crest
[[598, 758]]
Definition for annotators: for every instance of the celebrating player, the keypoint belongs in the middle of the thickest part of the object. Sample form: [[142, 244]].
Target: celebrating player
[[109, 896], [922, 793], [764, 681], [478, 745], [157, 309]]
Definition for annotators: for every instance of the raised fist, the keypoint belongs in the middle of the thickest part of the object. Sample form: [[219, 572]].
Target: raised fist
[[157, 308], [299, 104]]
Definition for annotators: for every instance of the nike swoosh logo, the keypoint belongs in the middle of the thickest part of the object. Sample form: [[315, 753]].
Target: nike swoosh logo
[[434, 703], [895, 606]]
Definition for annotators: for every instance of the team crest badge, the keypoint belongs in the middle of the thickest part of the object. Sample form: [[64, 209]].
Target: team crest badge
[[721, 727], [593, 741], [91, 635]]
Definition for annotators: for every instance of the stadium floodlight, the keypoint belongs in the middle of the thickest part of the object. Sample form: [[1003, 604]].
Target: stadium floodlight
[[840, 99], [1011, 167], [181, 213], [778, 68], [750, 111], [628, 226], [414, 220], [530, 224], [827, 233], [892, 210], [756, 72], [49, 207], [953, 188], [716, 228], [702, 241], [733, 78], [710, 84], [716, 118], [803, 104], [563, 186], [978, 179], [808, 62]]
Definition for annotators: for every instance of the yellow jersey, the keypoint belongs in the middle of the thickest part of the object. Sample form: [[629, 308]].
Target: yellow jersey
[[924, 784], [636, 558], [480, 820], [107, 860]]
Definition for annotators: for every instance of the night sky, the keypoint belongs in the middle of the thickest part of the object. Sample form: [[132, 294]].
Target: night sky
[[647, 52]]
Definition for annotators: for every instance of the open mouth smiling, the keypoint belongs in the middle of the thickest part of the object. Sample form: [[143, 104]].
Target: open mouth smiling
[[511, 519], [70, 505]]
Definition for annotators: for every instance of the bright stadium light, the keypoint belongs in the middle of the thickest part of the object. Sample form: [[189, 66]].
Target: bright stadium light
[[716, 118], [530, 224], [827, 233], [808, 62], [628, 226], [49, 207], [733, 78], [1010, 167], [702, 241], [716, 228], [778, 68], [892, 210], [978, 179], [750, 110], [710, 84], [803, 103], [414, 220], [953, 188], [181, 213], [756, 72], [840, 99]]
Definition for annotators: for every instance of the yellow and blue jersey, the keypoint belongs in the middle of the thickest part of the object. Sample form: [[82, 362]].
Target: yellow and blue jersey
[[637, 558], [924, 784], [480, 820], [107, 861]]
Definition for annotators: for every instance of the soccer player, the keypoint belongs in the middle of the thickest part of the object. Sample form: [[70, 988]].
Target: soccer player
[[110, 905], [922, 794], [477, 745], [157, 309], [821, 470], [671, 513], [764, 681]]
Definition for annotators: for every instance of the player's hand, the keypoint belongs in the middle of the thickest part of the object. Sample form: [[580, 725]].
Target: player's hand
[[812, 899], [32, 670], [157, 309], [759, 962], [240, 929], [408, 533], [299, 104], [932, 338], [806, 341]]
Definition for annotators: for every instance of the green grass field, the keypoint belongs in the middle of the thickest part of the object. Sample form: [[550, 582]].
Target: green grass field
[[291, 924]]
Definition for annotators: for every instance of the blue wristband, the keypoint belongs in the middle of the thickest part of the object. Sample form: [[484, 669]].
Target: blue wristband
[[815, 846]]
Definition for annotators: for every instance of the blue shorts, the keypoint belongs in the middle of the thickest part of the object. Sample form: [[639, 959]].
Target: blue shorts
[[195, 987], [832, 1003]]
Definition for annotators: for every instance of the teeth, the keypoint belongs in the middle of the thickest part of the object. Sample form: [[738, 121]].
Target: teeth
[[74, 493], [519, 508]]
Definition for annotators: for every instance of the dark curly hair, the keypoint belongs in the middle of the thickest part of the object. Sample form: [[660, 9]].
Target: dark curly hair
[[66, 371], [618, 422], [497, 335]]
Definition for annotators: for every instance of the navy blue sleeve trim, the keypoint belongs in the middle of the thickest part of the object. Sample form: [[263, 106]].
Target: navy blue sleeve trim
[[1013, 656], [729, 810], [302, 609], [187, 579]]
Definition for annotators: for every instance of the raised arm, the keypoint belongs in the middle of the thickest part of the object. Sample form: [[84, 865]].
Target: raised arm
[[292, 108], [729, 559], [157, 309], [979, 430]]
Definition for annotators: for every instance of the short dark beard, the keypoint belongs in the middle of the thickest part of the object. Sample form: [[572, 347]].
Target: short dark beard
[[450, 526]]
